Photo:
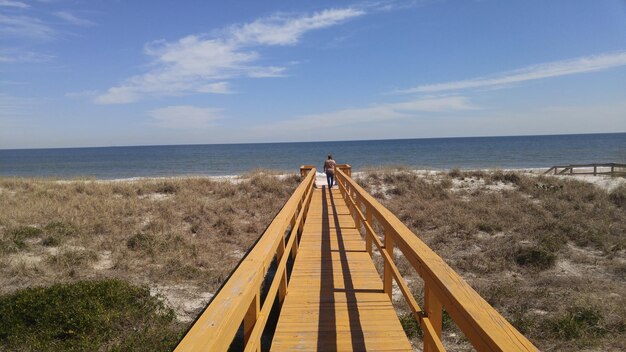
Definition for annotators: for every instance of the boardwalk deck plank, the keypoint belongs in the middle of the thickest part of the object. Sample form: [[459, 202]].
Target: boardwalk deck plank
[[335, 300]]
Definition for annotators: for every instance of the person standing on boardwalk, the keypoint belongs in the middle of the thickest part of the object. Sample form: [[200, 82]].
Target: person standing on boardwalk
[[329, 170]]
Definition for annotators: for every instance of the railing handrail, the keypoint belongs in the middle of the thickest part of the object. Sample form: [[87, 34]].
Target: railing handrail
[[484, 327], [239, 299], [571, 167]]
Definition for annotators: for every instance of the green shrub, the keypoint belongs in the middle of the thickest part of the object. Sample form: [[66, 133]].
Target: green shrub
[[579, 321], [166, 188], [455, 173], [410, 325], [618, 196], [538, 257], [51, 241], [15, 238], [62, 229], [506, 177], [25, 232], [140, 241], [86, 316]]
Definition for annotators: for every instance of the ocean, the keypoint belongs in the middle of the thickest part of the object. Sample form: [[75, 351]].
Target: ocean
[[234, 159]]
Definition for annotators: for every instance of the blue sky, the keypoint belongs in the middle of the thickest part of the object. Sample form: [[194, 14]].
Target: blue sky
[[102, 73]]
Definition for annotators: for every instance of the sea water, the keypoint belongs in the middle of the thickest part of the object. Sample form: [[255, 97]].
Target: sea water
[[233, 159]]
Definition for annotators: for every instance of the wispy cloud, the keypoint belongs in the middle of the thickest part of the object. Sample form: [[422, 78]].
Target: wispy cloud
[[14, 4], [204, 64], [12, 107], [81, 94], [25, 27], [20, 56], [376, 113], [73, 19], [546, 70], [185, 117]]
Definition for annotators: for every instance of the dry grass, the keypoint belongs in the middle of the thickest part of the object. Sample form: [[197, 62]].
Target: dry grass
[[548, 253], [179, 235]]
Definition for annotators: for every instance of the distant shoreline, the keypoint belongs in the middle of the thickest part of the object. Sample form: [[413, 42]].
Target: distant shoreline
[[605, 182], [253, 171], [475, 153]]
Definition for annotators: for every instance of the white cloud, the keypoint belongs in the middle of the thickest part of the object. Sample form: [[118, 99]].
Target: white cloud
[[541, 71], [72, 19], [201, 63], [372, 114], [215, 88], [185, 117], [25, 27], [117, 95], [81, 94], [18, 56], [14, 4], [283, 30]]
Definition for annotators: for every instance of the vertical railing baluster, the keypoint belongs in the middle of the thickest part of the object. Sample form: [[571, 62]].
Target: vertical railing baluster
[[282, 288], [370, 220], [251, 316], [434, 311], [357, 218], [387, 274]]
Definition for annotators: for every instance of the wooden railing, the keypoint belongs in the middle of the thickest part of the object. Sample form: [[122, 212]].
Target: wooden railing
[[239, 300], [483, 326], [305, 169], [589, 169]]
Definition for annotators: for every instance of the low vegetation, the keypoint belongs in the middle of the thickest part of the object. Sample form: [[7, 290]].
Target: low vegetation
[[180, 237], [548, 253], [87, 316]]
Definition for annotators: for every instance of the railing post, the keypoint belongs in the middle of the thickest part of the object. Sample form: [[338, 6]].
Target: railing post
[[387, 273], [304, 170], [282, 288], [370, 220], [293, 225], [251, 316], [595, 170], [357, 218], [433, 308]]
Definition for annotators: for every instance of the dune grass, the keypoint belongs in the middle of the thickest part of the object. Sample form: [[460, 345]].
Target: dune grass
[[180, 237], [548, 253]]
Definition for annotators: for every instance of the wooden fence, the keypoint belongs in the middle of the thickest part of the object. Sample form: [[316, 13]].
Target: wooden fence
[[613, 169], [483, 326]]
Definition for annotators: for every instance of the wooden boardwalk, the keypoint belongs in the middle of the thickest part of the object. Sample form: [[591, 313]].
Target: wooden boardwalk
[[335, 300], [332, 298]]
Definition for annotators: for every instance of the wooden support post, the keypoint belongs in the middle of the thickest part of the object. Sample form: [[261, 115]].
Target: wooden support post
[[387, 273], [293, 225], [369, 218], [357, 219], [595, 170], [434, 311], [251, 316], [282, 288], [294, 246]]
